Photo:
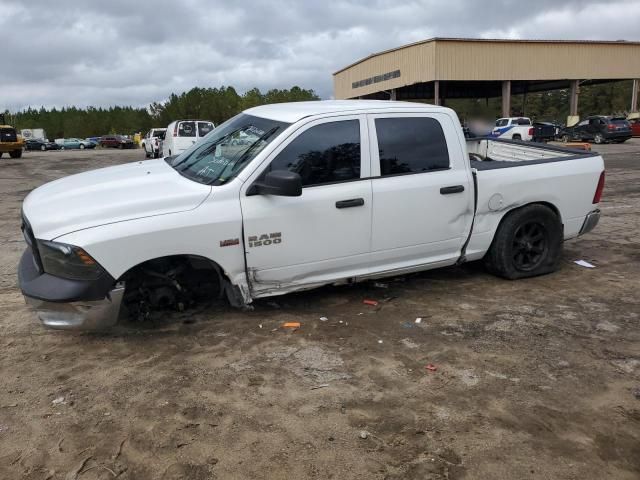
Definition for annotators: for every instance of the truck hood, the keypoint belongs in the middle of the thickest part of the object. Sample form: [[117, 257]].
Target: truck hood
[[109, 195]]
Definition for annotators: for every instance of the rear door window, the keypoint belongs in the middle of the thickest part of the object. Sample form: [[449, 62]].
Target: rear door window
[[411, 145], [503, 122], [187, 129], [326, 153], [204, 128]]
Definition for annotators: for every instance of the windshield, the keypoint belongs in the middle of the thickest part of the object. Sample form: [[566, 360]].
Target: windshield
[[224, 152]]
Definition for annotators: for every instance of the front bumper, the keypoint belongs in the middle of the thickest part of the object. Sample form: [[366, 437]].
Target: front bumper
[[69, 304], [91, 315], [590, 221]]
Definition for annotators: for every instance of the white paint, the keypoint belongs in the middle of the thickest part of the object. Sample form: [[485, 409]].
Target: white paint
[[125, 215]]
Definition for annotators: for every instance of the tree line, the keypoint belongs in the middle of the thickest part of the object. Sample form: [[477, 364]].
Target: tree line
[[215, 104], [219, 104], [604, 99]]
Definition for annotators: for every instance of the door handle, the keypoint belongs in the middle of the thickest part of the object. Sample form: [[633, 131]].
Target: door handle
[[453, 189], [353, 202]]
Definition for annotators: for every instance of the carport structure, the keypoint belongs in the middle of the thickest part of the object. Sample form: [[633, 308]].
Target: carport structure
[[441, 68]]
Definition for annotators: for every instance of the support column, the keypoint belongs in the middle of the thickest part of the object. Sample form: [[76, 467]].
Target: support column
[[634, 95], [436, 92], [506, 98], [574, 91], [393, 94]]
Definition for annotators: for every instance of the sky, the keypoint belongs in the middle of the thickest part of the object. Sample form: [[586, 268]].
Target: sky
[[116, 52]]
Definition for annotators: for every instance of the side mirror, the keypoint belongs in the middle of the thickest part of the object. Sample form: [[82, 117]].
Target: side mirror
[[282, 183]]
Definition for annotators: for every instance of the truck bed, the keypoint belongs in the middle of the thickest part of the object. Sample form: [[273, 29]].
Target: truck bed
[[489, 154], [561, 178]]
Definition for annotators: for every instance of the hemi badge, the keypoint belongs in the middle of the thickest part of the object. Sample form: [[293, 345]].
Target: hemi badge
[[230, 242]]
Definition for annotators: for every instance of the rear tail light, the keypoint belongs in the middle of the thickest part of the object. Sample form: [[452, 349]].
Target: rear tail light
[[599, 189], [611, 126], [531, 130]]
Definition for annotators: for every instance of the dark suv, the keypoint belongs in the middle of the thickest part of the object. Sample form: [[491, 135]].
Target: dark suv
[[115, 141], [599, 129]]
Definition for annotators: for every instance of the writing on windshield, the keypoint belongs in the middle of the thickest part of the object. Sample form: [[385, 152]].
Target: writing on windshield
[[227, 149]]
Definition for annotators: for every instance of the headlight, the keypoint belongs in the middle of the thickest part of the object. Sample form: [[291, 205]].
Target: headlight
[[68, 261]]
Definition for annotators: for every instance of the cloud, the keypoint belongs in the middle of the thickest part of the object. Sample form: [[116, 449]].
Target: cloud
[[73, 52]]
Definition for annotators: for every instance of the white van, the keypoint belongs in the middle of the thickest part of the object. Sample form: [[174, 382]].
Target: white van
[[181, 134]]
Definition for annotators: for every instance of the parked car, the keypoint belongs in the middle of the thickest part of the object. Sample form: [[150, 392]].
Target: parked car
[[10, 141], [635, 126], [116, 141], [515, 128], [152, 142], [545, 131], [37, 144], [310, 199], [599, 129], [75, 144], [181, 134]]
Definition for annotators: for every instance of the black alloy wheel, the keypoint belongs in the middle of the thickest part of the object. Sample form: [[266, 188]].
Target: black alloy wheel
[[529, 246]]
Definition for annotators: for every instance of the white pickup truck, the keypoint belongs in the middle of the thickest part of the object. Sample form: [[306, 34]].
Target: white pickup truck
[[514, 128], [152, 142], [293, 196]]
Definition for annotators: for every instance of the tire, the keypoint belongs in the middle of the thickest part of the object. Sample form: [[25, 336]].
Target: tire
[[1, 154], [599, 139], [528, 243], [82, 146], [16, 153], [61, 148], [43, 148], [565, 138], [517, 136], [156, 154], [623, 140]]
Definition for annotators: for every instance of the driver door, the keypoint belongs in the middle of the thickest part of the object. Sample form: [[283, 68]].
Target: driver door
[[325, 233]]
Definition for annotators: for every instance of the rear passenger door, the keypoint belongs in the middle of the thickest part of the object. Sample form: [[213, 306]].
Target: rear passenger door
[[422, 191]]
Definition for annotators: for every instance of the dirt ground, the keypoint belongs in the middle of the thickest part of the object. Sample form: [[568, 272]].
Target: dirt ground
[[534, 379]]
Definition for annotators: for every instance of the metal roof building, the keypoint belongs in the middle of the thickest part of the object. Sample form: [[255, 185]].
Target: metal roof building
[[441, 68]]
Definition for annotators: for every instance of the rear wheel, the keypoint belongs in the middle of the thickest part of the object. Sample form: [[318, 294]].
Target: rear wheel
[[16, 153], [565, 138], [517, 136], [598, 138], [43, 148], [528, 243], [82, 146]]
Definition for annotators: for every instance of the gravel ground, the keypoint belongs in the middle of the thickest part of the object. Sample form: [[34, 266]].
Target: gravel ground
[[533, 379]]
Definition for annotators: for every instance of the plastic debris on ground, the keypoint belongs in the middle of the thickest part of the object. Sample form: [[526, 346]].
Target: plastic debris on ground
[[418, 320], [58, 401], [323, 319], [431, 367], [373, 303], [294, 325], [324, 385], [379, 341], [584, 263]]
